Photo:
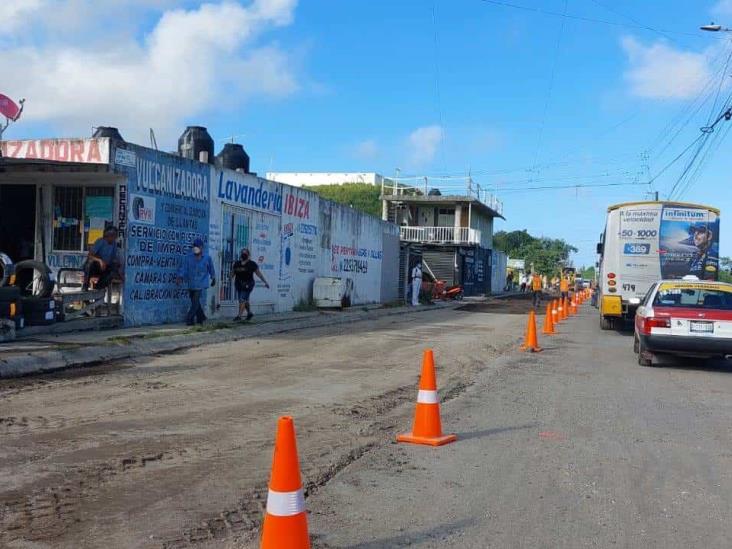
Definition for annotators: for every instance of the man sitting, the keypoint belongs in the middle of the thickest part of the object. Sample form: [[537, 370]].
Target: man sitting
[[103, 262]]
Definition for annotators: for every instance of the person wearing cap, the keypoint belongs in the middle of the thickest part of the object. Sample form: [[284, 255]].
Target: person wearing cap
[[197, 272], [707, 251], [243, 271], [103, 261]]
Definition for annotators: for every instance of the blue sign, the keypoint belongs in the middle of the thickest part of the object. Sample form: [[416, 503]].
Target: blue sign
[[632, 248], [169, 210]]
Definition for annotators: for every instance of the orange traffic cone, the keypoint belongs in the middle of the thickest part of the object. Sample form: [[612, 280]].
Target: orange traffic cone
[[548, 328], [531, 343], [427, 427], [555, 311], [563, 309], [285, 522]]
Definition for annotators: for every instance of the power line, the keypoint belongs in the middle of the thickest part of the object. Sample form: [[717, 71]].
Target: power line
[[676, 159], [575, 186], [550, 88], [635, 21], [587, 19]]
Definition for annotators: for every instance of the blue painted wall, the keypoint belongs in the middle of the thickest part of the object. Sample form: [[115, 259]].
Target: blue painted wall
[[168, 206]]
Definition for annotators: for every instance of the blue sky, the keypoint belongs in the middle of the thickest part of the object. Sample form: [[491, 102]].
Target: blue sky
[[519, 97]]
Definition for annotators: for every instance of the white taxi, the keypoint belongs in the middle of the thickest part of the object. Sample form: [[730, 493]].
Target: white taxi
[[688, 317]]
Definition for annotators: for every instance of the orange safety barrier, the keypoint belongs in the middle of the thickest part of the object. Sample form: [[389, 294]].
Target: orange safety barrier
[[548, 328], [285, 520], [427, 428], [531, 343]]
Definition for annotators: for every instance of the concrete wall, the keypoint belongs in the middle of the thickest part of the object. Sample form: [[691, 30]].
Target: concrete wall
[[295, 237], [167, 208], [499, 262], [485, 225]]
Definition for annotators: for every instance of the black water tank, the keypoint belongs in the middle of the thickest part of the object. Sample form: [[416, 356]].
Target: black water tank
[[194, 141], [233, 157], [107, 131]]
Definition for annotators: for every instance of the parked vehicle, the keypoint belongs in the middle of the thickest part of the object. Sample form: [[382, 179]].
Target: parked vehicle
[[647, 241], [688, 317], [440, 290]]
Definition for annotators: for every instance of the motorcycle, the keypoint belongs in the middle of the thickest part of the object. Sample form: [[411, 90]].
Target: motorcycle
[[440, 290]]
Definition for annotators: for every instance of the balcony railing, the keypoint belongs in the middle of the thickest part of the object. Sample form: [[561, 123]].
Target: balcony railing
[[440, 235]]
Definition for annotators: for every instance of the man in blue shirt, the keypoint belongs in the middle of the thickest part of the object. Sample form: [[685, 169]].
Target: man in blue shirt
[[197, 272], [103, 261]]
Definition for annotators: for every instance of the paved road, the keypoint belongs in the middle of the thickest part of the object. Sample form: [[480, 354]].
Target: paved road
[[175, 451], [575, 447]]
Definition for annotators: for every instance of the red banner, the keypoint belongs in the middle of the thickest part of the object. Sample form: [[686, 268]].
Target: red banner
[[92, 151]]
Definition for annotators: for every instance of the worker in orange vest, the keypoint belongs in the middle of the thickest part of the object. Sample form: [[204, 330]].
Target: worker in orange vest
[[536, 284], [564, 287]]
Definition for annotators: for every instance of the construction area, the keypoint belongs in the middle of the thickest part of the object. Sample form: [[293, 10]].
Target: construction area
[[175, 450]]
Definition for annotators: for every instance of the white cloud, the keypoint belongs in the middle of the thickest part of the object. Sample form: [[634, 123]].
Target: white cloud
[[14, 12], [190, 60], [722, 7], [423, 143], [659, 71], [367, 149]]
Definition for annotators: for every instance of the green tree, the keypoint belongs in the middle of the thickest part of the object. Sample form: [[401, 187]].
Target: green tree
[[547, 255], [588, 273], [360, 196], [725, 269]]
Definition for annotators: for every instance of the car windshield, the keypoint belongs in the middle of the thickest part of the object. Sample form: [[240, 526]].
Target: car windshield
[[695, 297]]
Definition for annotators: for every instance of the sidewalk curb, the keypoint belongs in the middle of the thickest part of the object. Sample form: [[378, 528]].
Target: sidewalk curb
[[48, 361]]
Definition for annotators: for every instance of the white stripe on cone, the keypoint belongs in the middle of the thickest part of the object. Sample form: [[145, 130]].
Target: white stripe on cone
[[427, 397], [285, 504]]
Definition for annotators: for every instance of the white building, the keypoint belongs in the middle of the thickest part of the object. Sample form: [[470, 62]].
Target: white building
[[304, 179]]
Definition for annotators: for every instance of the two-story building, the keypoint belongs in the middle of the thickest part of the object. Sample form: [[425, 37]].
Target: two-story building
[[453, 234]]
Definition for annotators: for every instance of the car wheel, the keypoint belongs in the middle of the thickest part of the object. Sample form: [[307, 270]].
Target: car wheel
[[606, 323], [642, 354]]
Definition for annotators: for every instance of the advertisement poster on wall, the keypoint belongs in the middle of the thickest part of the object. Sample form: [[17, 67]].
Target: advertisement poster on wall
[[689, 243], [168, 199]]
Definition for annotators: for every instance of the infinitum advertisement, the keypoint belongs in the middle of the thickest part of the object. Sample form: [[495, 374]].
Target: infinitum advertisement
[[689, 243]]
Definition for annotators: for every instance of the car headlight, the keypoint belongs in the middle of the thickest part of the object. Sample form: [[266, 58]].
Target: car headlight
[[634, 301]]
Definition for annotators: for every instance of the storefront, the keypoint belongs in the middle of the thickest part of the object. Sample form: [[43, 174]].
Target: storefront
[[57, 196]]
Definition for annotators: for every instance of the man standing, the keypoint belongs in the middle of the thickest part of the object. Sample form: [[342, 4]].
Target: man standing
[[197, 272], [243, 271], [564, 286], [416, 283], [536, 285], [103, 260], [509, 282]]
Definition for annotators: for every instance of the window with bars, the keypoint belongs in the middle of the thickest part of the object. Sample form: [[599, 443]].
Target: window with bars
[[80, 215]]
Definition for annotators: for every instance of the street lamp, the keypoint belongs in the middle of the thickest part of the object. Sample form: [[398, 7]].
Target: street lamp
[[713, 27]]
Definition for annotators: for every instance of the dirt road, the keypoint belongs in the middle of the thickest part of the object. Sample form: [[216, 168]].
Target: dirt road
[[175, 451], [577, 446]]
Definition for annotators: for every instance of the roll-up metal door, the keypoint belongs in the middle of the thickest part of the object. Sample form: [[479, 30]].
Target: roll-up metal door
[[441, 263]]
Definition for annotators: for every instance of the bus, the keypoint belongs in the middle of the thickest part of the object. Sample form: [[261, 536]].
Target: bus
[[644, 242]]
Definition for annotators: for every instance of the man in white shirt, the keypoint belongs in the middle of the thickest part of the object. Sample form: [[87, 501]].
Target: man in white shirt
[[416, 283]]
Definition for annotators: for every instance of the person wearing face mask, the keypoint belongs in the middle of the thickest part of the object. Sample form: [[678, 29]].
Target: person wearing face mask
[[243, 271], [197, 272]]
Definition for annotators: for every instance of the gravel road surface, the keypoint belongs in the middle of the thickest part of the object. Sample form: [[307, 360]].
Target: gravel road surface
[[175, 451]]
